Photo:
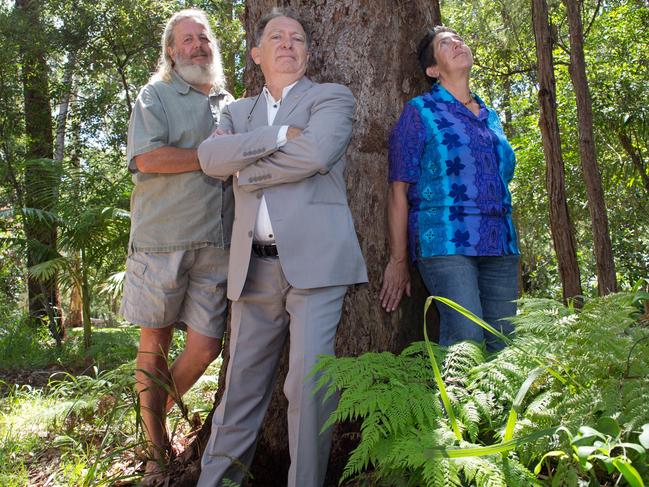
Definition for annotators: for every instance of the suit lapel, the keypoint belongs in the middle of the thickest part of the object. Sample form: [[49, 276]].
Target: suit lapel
[[292, 99], [257, 113]]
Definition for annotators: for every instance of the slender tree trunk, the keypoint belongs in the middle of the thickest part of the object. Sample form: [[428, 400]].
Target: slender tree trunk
[[229, 57], [73, 317], [352, 43], [41, 183], [560, 224], [64, 105], [605, 266], [636, 157], [85, 300]]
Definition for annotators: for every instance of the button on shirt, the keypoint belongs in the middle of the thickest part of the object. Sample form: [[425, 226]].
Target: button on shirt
[[263, 227], [458, 166], [176, 211]]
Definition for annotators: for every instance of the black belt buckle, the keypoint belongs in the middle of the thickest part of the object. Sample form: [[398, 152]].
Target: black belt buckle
[[265, 250]]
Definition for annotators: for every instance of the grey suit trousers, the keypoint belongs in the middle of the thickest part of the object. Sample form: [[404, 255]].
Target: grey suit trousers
[[268, 310]]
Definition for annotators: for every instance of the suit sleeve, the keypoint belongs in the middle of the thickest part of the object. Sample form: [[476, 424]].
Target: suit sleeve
[[321, 145], [221, 156]]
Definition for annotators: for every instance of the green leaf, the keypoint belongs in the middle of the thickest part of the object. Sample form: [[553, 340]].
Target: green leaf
[[438, 377], [629, 472], [644, 436], [554, 453], [518, 401], [608, 426], [482, 451], [631, 446], [471, 316], [584, 452], [587, 436]]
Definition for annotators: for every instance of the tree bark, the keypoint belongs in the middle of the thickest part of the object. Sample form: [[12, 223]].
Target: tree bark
[[74, 317], [604, 264], [64, 105], [355, 44], [41, 182], [560, 224], [436, 12]]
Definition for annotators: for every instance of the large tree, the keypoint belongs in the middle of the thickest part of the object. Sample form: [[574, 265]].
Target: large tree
[[41, 174], [560, 223], [605, 266], [370, 47]]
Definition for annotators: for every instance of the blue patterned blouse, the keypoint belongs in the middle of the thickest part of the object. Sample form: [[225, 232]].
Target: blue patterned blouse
[[458, 166]]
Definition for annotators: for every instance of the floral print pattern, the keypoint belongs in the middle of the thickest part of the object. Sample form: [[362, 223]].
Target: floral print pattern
[[458, 166]]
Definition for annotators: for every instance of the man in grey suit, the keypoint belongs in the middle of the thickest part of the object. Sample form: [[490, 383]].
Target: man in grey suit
[[294, 251]]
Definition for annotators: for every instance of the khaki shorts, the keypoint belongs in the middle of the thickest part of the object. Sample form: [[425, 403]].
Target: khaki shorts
[[162, 288]]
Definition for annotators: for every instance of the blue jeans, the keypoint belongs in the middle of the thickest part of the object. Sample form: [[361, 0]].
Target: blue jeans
[[487, 286]]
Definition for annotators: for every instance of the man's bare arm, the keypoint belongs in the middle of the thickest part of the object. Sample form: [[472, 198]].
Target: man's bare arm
[[167, 160]]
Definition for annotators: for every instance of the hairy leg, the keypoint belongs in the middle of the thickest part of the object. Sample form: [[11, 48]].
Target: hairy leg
[[152, 382], [200, 351]]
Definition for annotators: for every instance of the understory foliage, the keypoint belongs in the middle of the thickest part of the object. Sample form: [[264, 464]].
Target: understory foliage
[[569, 368], [81, 428]]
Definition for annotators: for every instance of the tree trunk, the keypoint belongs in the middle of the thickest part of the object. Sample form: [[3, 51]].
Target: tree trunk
[[85, 301], [352, 44], [605, 267], [74, 315], [560, 224], [41, 182], [230, 57], [64, 104], [436, 12], [636, 157]]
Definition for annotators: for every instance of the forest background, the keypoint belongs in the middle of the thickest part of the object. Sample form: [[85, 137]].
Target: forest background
[[70, 71]]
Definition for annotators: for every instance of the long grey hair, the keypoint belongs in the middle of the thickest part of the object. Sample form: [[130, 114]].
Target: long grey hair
[[166, 63]]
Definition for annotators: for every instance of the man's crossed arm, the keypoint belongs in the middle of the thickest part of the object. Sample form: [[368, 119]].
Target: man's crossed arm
[[260, 162]]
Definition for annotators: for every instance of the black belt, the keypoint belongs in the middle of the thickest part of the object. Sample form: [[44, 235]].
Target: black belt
[[264, 250]]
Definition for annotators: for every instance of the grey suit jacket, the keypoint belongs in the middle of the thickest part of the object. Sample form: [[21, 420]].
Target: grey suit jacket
[[302, 182]]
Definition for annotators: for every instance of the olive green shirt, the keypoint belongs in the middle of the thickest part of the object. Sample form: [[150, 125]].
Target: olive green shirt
[[176, 211]]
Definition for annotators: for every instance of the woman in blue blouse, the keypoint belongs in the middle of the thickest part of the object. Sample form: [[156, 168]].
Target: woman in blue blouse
[[449, 206]]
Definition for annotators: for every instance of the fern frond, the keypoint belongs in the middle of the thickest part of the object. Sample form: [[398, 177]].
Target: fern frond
[[460, 359], [49, 269], [482, 471], [636, 409], [441, 473], [596, 363], [469, 418], [540, 408], [516, 474]]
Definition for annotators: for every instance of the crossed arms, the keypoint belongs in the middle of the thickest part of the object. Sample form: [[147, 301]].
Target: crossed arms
[[258, 159]]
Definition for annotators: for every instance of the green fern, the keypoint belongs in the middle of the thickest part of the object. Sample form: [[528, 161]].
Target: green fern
[[594, 363]]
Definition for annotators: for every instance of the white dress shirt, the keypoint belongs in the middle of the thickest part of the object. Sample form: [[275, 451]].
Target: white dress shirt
[[263, 227]]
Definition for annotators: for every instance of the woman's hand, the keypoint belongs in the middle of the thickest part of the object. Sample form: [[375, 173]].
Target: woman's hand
[[396, 277], [396, 281]]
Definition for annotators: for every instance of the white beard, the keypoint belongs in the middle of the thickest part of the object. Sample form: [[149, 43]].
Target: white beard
[[196, 74]]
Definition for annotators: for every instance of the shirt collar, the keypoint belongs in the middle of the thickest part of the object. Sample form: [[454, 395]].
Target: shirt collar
[[180, 84], [442, 94], [269, 97]]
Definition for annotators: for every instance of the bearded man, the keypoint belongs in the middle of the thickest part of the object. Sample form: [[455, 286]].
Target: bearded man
[[181, 222]]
